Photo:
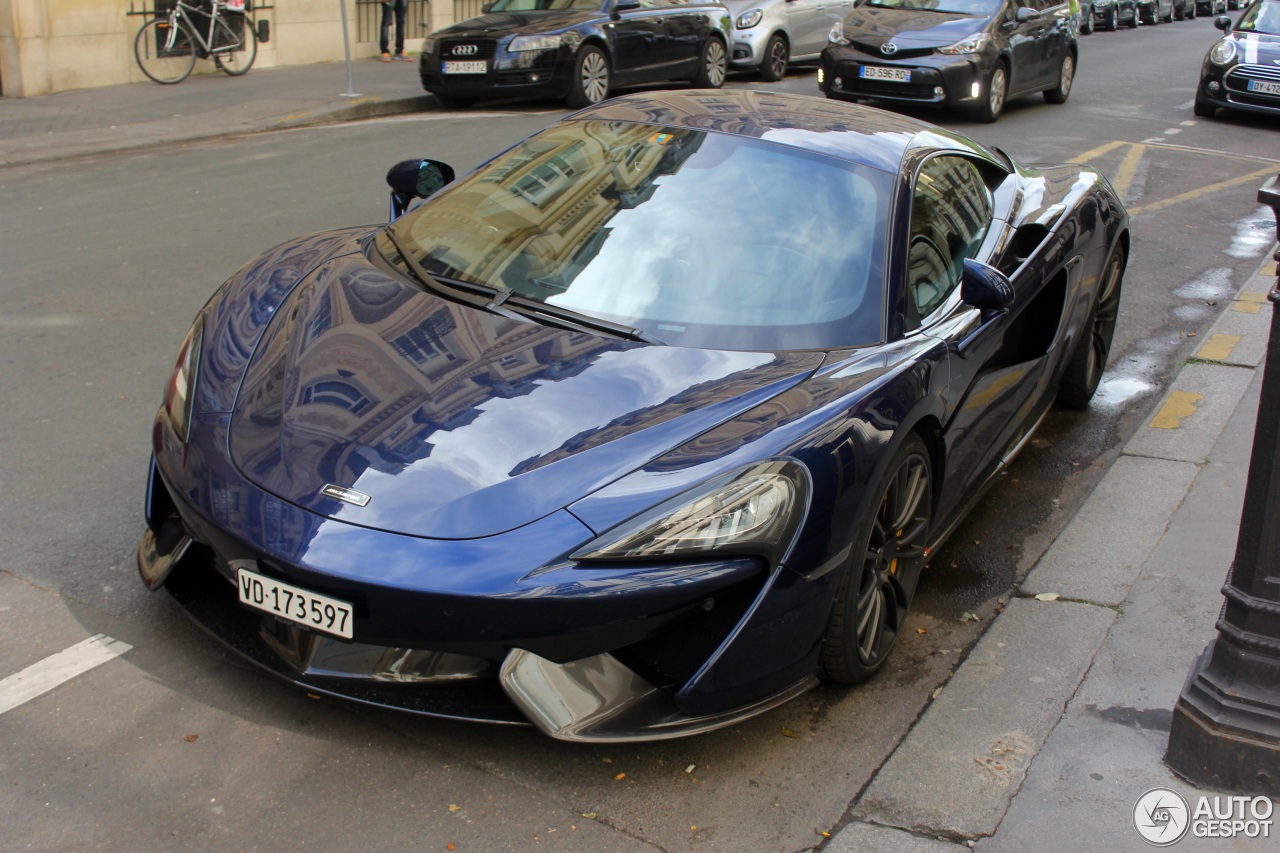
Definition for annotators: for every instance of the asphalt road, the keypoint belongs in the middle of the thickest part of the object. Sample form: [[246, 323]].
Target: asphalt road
[[174, 744]]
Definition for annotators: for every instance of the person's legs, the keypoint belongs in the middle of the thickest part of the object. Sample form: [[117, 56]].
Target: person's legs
[[401, 9], [384, 43]]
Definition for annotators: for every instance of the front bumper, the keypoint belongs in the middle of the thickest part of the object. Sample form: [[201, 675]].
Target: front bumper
[[1229, 87], [935, 78], [510, 632], [534, 73]]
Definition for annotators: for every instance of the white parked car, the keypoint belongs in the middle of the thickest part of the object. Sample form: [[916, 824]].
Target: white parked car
[[769, 35]]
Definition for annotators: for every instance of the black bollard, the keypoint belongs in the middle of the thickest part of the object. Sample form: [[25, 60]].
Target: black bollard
[[1226, 723]]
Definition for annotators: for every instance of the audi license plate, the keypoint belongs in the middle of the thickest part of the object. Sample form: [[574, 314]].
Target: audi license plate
[[876, 72], [1264, 87], [294, 604], [470, 66]]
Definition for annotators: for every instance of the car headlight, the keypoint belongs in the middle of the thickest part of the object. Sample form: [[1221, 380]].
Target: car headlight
[[428, 46], [1223, 52], [541, 41], [836, 36], [755, 510], [972, 44], [180, 391], [747, 20]]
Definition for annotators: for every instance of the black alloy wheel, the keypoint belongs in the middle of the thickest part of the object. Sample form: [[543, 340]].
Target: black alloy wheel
[[1089, 360], [879, 579], [776, 57]]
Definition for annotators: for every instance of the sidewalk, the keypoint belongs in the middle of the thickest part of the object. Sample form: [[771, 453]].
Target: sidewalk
[[137, 115], [1043, 749], [1027, 747]]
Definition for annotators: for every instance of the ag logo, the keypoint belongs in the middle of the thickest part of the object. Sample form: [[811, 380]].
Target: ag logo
[[1161, 817]]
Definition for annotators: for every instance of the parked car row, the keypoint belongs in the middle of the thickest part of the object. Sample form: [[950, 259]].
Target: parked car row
[[1242, 69]]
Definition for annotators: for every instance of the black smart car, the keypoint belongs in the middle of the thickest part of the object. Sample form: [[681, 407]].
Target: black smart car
[[966, 53], [575, 49], [1242, 70]]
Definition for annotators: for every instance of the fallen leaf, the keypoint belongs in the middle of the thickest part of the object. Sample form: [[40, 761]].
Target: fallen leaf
[[620, 776], [694, 828], [191, 738], [788, 733], [691, 768], [453, 808], [589, 815], [937, 693], [970, 617], [607, 760], [921, 631], [1047, 596], [449, 846]]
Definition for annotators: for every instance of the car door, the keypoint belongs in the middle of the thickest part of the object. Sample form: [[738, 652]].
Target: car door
[[1026, 25], [684, 31], [990, 395], [808, 23], [1053, 41], [637, 38]]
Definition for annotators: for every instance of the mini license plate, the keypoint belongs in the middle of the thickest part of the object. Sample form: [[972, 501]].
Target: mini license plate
[[470, 66], [1264, 87], [294, 604], [876, 72]]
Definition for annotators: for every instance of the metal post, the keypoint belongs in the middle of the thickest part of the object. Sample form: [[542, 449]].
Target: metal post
[[1226, 723], [346, 46]]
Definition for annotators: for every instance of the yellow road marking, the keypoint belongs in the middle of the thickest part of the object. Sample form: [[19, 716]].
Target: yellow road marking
[[1202, 192], [1249, 302], [1096, 152], [1218, 347], [1181, 404], [1128, 168], [1269, 269]]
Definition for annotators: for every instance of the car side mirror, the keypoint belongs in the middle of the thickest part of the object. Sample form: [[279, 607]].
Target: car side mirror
[[1027, 14], [626, 5], [419, 178], [987, 289], [984, 287], [1223, 23]]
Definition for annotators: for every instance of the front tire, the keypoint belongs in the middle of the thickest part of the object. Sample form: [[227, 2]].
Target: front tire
[[1089, 360], [879, 579], [776, 57], [589, 83], [158, 60], [1204, 108], [713, 64], [997, 88], [1066, 76]]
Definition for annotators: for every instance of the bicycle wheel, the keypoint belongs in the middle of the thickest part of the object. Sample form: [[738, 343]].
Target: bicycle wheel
[[160, 60], [232, 53]]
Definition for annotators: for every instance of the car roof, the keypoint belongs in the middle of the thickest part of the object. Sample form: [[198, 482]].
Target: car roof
[[859, 134]]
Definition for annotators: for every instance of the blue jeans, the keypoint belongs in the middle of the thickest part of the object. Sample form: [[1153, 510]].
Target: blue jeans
[[399, 8]]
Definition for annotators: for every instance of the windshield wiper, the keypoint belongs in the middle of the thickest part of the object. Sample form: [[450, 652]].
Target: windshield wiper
[[491, 298], [575, 322]]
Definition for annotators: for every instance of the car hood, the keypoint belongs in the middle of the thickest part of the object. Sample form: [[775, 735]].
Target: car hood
[[457, 423], [874, 26], [498, 24], [1257, 48]]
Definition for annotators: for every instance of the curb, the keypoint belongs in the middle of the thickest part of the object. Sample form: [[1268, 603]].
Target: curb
[[956, 773]]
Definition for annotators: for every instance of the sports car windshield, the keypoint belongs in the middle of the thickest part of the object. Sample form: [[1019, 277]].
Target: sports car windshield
[[981, 8], [693, 238]]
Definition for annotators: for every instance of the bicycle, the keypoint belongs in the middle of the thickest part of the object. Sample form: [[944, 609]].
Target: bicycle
[[167, 47]]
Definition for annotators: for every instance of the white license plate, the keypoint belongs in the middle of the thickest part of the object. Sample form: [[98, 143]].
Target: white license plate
[[294, 604], [1264, 87], [471, 66], [876, 72]]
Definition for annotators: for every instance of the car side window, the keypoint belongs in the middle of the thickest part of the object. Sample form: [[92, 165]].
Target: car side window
[[950, 212]]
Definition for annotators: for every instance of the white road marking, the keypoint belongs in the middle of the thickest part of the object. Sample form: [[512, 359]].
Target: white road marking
[[1172, 131], [1190, 122], [43, 676], [1153, 139]]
